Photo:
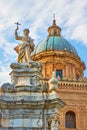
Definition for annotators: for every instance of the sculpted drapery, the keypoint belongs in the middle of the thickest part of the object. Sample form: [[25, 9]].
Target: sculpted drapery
[[25, 48]]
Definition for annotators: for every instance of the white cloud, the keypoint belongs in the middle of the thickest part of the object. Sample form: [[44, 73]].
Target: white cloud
[[80, 32], [4, 77]]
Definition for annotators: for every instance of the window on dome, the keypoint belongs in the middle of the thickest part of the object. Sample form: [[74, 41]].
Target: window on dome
[[70, 121], [59, 73], [55, 32], [77, 77]]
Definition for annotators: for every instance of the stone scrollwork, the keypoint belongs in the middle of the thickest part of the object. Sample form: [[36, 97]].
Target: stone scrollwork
[[7, 87], [40, 88], [34, 64], [17, 66], [30, 64]]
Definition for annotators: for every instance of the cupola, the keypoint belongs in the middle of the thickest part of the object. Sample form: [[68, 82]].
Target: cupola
[[54, 30]]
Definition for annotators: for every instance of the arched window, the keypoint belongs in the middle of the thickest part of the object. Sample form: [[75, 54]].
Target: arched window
[[70, 120], [59, 73], [55, 32]]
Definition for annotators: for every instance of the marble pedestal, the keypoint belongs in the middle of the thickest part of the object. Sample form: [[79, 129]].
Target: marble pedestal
[[26, 104]]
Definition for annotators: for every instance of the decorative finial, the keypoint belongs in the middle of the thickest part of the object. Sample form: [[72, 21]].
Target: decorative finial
[[54, 30], [17, 24], [53, 16], [54, 21]]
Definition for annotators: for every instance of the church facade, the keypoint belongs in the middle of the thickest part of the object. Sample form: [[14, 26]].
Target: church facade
[[57, 54]]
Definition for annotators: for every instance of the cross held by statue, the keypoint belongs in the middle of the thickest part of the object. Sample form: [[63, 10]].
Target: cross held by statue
[[17, 24]]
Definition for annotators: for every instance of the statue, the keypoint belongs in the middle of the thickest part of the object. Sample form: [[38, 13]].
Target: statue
[[26, 47], [53, 83]]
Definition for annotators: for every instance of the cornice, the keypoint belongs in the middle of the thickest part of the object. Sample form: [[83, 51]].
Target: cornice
[[73, 85]]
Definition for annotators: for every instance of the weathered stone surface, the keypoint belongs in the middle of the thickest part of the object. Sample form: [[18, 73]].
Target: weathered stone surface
[[27, 103], [27, 74], [7, 87]]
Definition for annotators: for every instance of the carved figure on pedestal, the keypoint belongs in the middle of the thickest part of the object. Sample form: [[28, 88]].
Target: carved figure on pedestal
[[56, 118], [25, 48], [53, 83], [49, 123]]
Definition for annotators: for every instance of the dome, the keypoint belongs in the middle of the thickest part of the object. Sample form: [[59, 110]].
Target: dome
[[55, 43]]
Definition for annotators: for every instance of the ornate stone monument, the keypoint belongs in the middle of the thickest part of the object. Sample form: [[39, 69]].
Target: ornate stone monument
[[30, 102]]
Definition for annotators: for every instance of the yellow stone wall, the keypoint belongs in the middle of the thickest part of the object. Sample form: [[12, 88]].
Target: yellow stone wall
[[71, 91], [75, 96]]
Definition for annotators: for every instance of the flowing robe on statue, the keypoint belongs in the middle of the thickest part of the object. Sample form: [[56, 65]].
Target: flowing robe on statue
[[24, 49]]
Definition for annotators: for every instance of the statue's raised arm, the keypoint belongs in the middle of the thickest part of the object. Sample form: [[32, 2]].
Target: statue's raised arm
[[25, 48], [16, 35]]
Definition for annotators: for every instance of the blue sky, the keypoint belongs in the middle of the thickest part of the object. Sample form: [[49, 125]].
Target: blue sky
[[37, 15]]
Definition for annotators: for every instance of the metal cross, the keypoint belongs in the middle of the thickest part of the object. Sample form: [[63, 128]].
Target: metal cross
[[17, 24]]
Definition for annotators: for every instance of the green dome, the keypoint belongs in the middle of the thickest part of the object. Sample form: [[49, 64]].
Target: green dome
[[55, 43]]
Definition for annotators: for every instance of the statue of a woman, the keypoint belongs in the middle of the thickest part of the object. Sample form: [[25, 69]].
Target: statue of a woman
[[25, 48]]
